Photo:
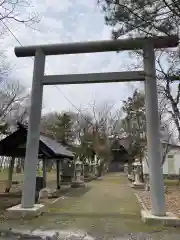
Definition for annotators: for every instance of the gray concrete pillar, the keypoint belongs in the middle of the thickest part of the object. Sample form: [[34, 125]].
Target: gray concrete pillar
[[153, 134], [32, 144]]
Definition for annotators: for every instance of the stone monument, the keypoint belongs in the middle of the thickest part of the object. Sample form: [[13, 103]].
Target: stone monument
[[66, 171]]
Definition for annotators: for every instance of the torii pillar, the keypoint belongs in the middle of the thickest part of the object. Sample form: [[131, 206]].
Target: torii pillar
[[153, 133]]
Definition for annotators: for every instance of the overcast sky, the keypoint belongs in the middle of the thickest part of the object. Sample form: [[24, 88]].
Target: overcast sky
[[69, 21]]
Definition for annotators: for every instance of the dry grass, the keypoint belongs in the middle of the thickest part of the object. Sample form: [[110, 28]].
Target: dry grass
[[107, 206], [51, 177], [19, 176], [171, 182]]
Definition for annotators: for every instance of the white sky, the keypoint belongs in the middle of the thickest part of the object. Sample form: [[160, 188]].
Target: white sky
[[69, 21]]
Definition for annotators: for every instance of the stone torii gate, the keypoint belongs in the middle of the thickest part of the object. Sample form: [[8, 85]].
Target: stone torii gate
[[148, 75]]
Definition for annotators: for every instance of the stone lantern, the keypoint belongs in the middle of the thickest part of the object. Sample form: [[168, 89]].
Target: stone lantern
[[77, 182], [78, 169], [137, 172]]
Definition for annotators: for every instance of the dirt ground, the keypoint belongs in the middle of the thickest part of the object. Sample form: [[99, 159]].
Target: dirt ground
[[104, 207], [14, 196]]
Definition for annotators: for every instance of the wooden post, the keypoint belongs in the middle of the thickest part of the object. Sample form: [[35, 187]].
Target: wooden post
[[44, 172], [10, 174], [57, 172]]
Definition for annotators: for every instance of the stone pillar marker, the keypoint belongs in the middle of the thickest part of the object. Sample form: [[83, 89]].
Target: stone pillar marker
[[153, 133]]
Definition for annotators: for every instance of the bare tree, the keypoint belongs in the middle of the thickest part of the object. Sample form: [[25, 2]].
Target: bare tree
[[83, 125], [167, 73], [13, 107], [18, 11], [169, 86], [151, 18], [11, 95], [103, 124], [21, 114]]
